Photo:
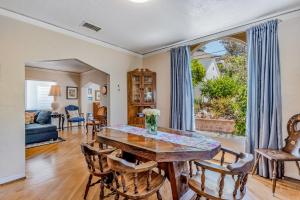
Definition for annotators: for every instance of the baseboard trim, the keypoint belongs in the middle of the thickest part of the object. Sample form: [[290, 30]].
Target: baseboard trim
[[9, 179]]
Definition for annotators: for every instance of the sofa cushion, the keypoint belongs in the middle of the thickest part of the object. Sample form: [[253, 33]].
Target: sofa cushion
[[44, 117], [29, 117], [73, 113], [36, 115], [39, 128], [76, 119]]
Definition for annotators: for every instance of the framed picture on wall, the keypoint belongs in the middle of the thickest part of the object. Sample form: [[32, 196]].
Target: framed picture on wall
[[97, 95], [72, 92], [90, 94]]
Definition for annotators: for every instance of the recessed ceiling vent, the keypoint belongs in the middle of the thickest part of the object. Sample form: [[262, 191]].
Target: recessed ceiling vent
[[91, 26]]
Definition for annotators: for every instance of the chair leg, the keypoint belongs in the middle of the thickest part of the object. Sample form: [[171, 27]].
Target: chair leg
[[158, 195], [101, 190], [298, 166], [88, 186], [256, 163], [191, 168], [87, 129], [274, 176]]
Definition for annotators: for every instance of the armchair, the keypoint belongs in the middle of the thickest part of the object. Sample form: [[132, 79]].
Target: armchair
[[74, 118], [224, 181]]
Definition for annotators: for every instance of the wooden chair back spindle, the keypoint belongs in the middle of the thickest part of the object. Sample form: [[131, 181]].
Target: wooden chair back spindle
[[97, 166], [239, 170], [129, 174], [93, 155]]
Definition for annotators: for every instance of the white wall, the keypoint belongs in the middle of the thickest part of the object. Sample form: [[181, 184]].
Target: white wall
[[289, 41], [86, 103], [161, 64], [100, 78], [21, 43]]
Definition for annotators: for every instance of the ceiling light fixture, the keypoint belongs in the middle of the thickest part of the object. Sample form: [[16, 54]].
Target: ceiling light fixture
[[139, 1]]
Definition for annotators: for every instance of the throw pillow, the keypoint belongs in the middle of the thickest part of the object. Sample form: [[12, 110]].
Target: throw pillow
[[29, 117], [36, 115], [43, 117], [73, 113]]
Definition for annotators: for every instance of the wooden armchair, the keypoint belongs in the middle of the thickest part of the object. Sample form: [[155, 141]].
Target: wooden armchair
[[100, 113], [134, 181], [97, 165], [219, 181], [290, 152]]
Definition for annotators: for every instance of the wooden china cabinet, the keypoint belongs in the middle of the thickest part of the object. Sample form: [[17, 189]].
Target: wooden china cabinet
[[141, 94]]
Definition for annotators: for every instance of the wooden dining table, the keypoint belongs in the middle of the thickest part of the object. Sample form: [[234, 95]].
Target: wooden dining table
[[172, 149]]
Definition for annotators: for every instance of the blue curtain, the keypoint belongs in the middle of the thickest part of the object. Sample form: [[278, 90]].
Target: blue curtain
[[182, 98], [264, 92]]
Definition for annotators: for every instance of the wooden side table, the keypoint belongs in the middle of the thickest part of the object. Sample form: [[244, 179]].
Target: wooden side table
[[61, 120]]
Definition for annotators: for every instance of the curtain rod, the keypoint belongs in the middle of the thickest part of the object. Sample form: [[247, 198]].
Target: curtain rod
[[195, 40]]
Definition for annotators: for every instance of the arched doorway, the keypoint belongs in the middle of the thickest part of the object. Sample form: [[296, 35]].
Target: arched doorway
[[220, 84]]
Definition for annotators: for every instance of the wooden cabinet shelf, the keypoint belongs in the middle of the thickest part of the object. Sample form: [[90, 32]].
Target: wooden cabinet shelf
[[141, 94]]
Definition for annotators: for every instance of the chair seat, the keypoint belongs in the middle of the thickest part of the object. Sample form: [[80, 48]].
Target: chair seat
[[211, 190], [39, 128], [91, 123], [76, 119], [278, 155], [156, 182]]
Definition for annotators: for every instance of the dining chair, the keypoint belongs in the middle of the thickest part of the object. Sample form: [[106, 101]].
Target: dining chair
[[97, 165], [100, 113], [73, 115], [222, 181], [134, 181], [290, 152]]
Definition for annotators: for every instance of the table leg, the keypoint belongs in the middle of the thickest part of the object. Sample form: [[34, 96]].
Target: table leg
[[59, 123], [62, 122], [256, 163], [177, 173], [298, 167], [274, 176]]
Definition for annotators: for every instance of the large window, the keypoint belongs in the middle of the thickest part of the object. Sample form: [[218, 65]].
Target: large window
[[36, 95], [220, 85]]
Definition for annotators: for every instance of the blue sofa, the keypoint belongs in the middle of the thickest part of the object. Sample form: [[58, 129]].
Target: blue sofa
[[37, 132]]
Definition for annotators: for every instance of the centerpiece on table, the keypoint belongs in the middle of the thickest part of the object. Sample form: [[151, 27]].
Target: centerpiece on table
[[151, 118]]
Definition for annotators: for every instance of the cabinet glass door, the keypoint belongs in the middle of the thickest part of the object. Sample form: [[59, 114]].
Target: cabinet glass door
[[136, 88], [148, 90]]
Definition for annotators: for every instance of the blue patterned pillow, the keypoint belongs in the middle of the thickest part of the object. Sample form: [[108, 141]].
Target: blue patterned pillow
[[44, 117]]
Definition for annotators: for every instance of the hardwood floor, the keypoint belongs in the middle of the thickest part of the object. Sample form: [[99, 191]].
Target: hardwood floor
[[58, 172]]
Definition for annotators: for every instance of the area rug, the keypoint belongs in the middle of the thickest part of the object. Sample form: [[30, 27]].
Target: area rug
[[59, 139]]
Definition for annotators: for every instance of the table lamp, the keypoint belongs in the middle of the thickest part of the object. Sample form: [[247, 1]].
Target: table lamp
[[55, 92]]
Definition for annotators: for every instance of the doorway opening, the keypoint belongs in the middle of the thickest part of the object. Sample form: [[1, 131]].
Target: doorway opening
[[60, 94], [219, 75]]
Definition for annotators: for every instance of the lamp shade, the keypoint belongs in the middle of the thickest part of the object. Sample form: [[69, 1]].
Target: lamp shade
[[55, 91]]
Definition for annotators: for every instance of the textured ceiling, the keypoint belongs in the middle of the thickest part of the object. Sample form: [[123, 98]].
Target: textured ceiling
[[145, 27]]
